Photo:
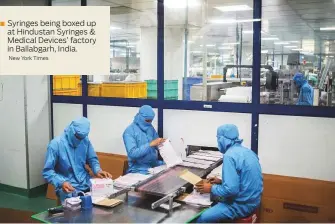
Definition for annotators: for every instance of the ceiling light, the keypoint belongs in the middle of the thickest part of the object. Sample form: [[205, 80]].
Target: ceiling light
[[264, 51], [225, 48], [225, 44], [307, 52], [196, 52], [233, 8], [250, 31], [130, 46], [294, 41], [297, 49], [270, 38], [233, 21], [114, 28], [181, 4], [281, 43], [290, 46], [210, 45], [327, 28]]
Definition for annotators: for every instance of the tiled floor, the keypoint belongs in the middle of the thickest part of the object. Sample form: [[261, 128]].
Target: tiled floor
[[13, 201]]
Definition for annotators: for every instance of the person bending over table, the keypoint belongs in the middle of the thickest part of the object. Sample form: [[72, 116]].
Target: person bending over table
[[239, 193], [66, 158], [141, 141]]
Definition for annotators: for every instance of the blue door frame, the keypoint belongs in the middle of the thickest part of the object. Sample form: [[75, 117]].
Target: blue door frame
[[254, 108]]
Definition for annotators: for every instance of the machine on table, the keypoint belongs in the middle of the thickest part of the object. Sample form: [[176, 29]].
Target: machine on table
[[142, 201]]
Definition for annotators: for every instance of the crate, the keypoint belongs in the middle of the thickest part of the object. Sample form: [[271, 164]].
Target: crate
[[170, 89], [94, 89], [124, 90], [65, 92], [187, 83], [216, 76], [66, 81], [168, 84]]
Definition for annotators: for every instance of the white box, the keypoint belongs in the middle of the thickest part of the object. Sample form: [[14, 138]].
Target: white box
[[102, 187]]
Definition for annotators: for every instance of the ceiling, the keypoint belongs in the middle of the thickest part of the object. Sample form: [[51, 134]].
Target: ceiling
[[287, 20]]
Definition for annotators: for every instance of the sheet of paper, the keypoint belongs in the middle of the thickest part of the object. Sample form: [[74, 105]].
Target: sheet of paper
[[190, 177], [130, 179], [196, 198], [157, 169], [198, 161], [217, 172], [195, 165], [169, 155], [214, 159]]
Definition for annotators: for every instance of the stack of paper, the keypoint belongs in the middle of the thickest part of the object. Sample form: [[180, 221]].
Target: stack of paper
[[157, 169], [197, 199], [198, 161], [195, 165], [169, 155], [129, 179], [204, 157], [106, 202], [214, 153], [190, 177]]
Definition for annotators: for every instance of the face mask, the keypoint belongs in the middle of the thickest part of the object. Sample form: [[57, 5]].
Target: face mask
[[221, 145], [76, 141]]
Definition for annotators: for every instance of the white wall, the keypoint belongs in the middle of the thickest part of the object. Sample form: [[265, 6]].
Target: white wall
[[38, 125], [297, 146], [199, 127], [63, 114], [107, 126], [12, 132], [148, 52]]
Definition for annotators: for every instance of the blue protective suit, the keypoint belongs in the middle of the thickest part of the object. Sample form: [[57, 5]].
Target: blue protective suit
[[67, 156], [306, 91], [242, 182], [137, 138]]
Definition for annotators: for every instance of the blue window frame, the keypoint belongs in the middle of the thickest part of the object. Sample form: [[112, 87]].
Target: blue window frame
[[255, 108]]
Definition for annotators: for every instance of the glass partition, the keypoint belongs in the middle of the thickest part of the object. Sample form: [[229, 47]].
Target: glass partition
[[298, 38], [208, 50], [133, 51]]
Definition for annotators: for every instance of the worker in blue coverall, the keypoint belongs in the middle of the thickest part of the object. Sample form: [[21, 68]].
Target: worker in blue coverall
[[141, 141], [66, 158], [306, 91], [239, 192]]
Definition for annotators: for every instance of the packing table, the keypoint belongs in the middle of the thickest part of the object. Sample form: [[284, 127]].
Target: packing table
[[142, 204]]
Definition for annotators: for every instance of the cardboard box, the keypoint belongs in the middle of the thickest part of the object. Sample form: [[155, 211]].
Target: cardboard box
[[292, 199], [284, 211], [102, 187]]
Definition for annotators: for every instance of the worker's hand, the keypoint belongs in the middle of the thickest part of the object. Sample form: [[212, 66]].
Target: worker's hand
[[104, 174], [203, 187], [67, 187], [214, 180], [157, 142]]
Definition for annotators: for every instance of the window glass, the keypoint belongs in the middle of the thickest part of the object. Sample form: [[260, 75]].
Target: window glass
[[66, 2], [67, 85], [297, 41], [133, 51], [208, 50]]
